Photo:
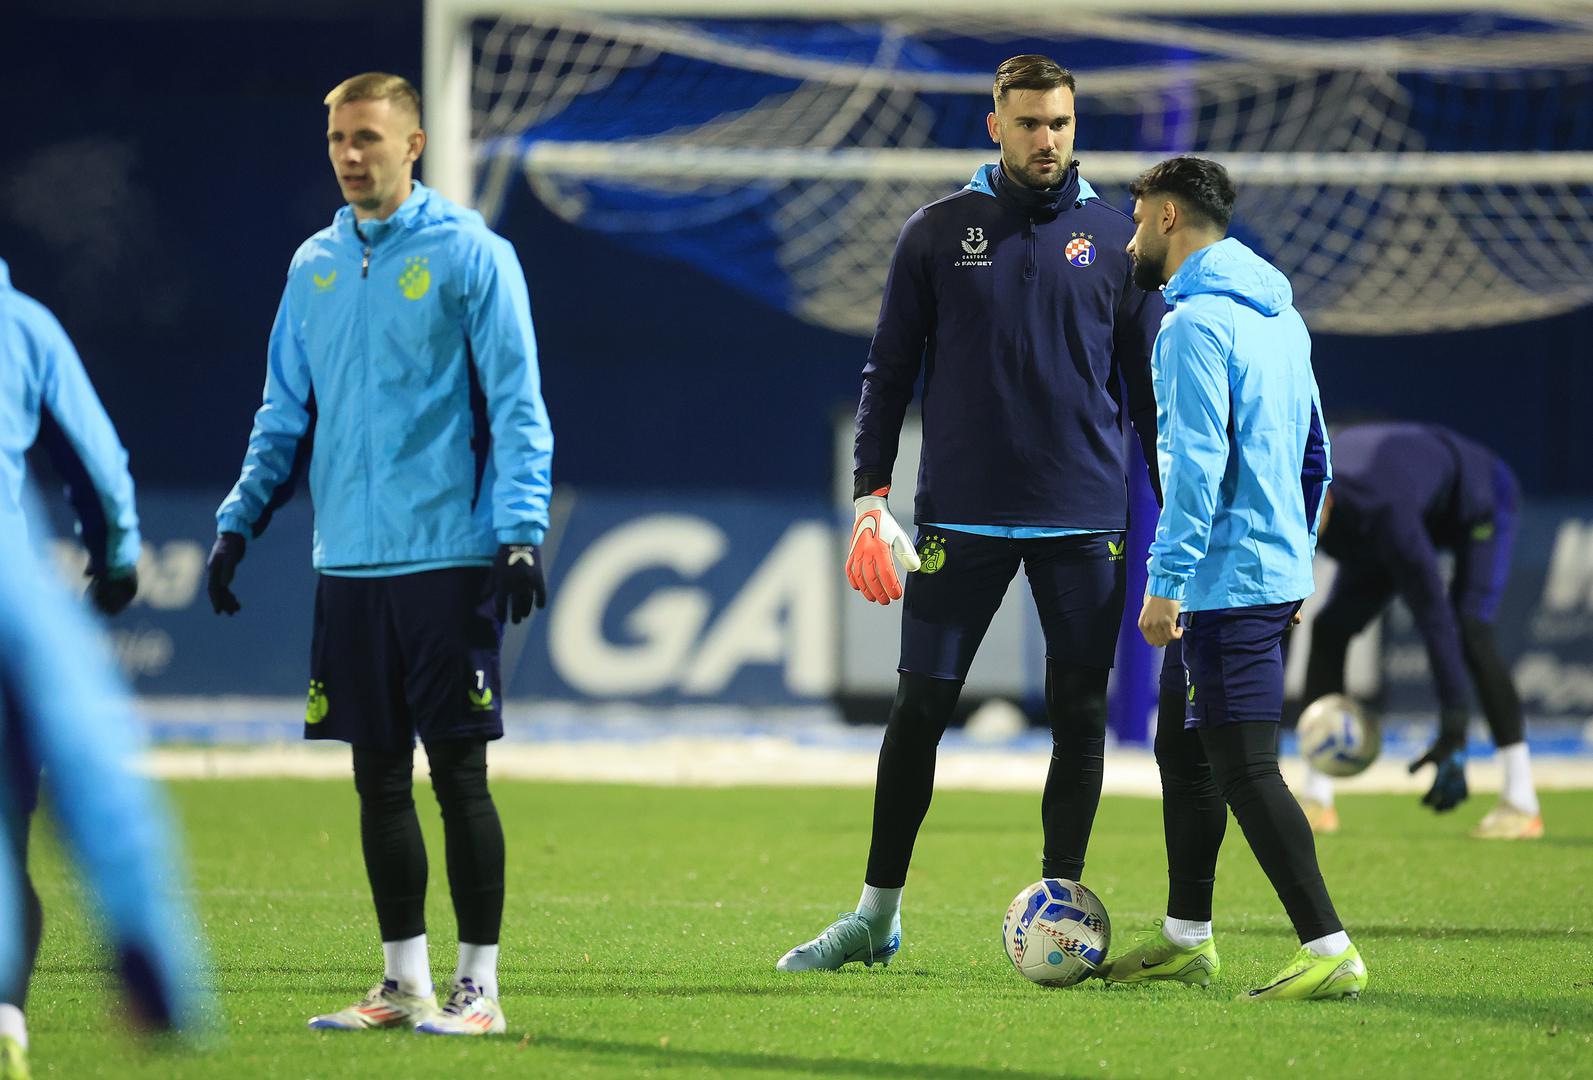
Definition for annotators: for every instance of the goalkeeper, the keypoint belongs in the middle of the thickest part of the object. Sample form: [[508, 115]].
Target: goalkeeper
[[403, 351], [1014, 299], [1402, 492]]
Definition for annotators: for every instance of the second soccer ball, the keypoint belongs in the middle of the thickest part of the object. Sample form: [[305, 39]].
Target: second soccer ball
[[1337, 737]]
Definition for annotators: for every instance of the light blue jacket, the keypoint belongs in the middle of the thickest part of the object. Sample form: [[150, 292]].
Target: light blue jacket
[[1241, 442], [402, 360], [57, 683], [46, 398]]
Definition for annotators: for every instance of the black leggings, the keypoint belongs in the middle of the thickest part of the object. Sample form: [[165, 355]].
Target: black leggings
[[16, 838], [1236, 764], [395, 855], [1076, 706]]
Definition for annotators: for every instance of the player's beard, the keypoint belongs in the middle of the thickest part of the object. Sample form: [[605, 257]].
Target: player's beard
[[1148, 272], [1030, 179]]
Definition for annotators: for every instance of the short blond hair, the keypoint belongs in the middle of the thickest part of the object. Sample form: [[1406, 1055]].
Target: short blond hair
[[377, 86]]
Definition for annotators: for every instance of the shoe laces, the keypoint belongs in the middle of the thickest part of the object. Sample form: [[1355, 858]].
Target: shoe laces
[[830, 938], [463, 995]]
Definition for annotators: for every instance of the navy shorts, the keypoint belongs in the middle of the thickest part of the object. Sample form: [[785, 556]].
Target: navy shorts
[[1233, 660], [396, 657], [1077, 583]]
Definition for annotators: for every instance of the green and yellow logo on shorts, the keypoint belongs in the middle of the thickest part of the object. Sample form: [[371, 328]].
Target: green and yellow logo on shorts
[[1482, 532], [1191, 693], [316, 708], [1114, 550], [932, 554], [481, 693]]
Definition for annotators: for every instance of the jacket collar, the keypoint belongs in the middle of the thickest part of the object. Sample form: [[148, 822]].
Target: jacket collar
[[5, 275], [373, 232], [1074, 191]]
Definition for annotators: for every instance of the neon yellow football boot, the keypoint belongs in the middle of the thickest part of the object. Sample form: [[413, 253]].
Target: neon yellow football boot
[[1309, 977], [1153, 958], [13, 1060]]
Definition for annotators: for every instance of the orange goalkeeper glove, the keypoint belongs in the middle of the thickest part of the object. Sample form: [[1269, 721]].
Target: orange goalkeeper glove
[[870, 569]]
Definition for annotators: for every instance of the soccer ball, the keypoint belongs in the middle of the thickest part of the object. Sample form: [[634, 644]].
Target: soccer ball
[[1056, 932], [1337, 737]]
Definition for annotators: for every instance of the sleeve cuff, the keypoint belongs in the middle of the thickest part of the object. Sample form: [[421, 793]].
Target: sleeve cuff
[[522, 534], [1168, 588], [235, 524]]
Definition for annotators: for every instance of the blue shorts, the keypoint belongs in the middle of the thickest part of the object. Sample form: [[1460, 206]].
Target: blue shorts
[[1233, 660], [1077, 583], [396, 657]]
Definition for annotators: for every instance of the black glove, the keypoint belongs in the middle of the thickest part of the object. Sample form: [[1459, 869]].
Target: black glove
[[224, 559], [517, 581], [111, 593], [1448, 753]]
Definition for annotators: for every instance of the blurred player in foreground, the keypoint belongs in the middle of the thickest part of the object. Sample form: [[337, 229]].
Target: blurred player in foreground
[[1244, 460], [1402, 493], [62, 709], [46, 400], [403, 354], [1014, 298]]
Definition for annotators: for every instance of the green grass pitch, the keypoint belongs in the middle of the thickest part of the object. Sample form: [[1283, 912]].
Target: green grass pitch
[[643, 924]]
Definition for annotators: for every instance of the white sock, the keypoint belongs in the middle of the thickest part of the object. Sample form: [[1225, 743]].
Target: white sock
[[1318, 787], [408, 965], [13, 1024], [1331, 945], [479, 964], [1186, 933], [879, 906], [1518, 790]]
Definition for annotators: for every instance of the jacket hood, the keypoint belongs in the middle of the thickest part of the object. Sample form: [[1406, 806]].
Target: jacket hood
[[1228, 268]]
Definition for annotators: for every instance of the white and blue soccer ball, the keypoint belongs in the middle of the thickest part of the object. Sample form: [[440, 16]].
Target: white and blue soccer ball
[[1056, 932], [1337, 737]]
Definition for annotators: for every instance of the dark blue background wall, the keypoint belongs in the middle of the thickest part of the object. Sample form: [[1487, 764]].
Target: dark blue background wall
[[159, 172]]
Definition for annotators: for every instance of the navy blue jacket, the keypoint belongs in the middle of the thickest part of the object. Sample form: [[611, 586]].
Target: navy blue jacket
[[1019, 307], [1401, 492]]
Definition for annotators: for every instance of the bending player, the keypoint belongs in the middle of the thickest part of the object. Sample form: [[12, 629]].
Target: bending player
[[1244, 459], [1014, 298], [1402, 493]]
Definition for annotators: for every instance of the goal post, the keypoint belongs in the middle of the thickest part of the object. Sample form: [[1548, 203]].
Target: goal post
[[1414, 165]]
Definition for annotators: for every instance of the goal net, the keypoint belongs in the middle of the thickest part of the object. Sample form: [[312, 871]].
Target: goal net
[[1415, 172]]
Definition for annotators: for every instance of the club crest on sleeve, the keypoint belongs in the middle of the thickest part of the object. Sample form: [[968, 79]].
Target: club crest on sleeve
[[1080, 250]]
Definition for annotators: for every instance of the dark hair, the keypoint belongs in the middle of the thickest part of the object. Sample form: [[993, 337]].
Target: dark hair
[[1199, 184], [1030, 72]]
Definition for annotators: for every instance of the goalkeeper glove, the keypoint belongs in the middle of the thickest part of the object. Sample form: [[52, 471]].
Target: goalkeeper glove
[[111, 591], [224, 559], [875, 536], [517, 581], [1448, 753]]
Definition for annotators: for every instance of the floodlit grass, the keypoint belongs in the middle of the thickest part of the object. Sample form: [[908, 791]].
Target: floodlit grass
[[643, 924]]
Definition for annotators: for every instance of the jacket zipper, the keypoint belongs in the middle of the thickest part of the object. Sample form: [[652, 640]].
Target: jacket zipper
[[1029, 267], [365, 367]]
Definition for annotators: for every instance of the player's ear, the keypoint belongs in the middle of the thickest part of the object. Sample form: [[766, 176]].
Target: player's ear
[[417, 143], [1169, 220], [993, 127]]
